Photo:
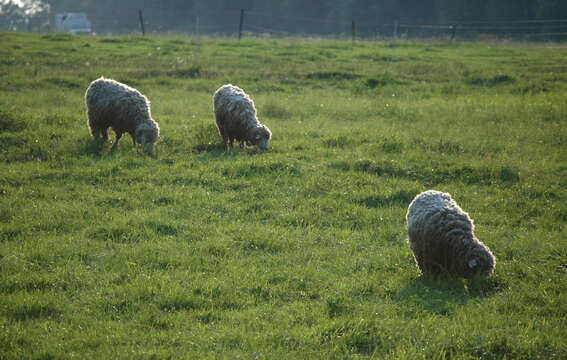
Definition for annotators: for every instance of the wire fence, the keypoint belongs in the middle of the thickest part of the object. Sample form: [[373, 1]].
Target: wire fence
[[160, 20], [255, 24]]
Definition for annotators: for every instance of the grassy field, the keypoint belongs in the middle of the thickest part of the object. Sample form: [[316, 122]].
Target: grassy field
[[296, 252]]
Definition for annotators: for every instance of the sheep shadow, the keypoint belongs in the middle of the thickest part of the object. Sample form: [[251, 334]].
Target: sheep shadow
[[101, 148], [442, 294], [210, 147], [219, 149], [92, 147]]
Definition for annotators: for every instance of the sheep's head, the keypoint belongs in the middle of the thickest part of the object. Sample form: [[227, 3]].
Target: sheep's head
[[147, 135], [479, 262], [260, 136]]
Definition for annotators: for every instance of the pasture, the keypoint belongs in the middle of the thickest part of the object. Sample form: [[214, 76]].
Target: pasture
[[296, 252]]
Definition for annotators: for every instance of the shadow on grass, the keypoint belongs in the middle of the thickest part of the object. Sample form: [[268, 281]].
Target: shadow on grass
[[400, 198], [481, 175], [206, 139], [209, 147], [92, 147], [101, 148], [251, 170], [218, 149], [443, 294]]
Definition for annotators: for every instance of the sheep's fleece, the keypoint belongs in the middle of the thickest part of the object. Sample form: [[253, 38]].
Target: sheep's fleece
[[441, 237], [236, 119], [113, 104]]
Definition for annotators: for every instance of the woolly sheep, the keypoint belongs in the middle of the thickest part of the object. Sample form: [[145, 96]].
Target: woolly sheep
[[113, 104], [236, 119], [441, 237]]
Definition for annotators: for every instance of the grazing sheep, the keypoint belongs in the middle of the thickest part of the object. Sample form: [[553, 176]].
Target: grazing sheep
[[125, 109], [236, 119], [441, 237]]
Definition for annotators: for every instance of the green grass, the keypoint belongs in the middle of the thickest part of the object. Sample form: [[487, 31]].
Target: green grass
[[297, 252]]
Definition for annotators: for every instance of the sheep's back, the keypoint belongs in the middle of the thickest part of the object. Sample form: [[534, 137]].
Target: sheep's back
[[234, 109], [111, 103], [435, 217]]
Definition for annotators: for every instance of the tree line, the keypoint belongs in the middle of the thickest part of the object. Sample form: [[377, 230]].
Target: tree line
[[285, 16]]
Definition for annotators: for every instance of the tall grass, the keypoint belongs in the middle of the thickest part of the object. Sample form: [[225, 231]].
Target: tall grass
[[297, 252]]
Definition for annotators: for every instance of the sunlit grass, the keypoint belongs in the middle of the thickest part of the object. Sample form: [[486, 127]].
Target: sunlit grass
[[296, 252]]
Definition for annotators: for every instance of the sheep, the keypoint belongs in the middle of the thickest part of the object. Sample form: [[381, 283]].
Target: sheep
[[113, 104], [236, 119], [441, 238]]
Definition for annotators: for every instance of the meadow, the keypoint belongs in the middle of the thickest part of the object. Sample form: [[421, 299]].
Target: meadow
[[297, 252]]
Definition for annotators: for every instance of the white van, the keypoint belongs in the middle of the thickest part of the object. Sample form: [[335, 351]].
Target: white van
[[74, 23]]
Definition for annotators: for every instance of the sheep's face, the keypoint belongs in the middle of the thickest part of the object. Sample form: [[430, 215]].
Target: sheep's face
[[260, 136], [480, 263], [147, 137]]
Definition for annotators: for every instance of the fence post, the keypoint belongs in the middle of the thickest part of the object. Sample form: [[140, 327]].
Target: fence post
[[49, 20], [453, 32], [196, 59], [395, 30], [141, 21], [241, 24], [394, 40], [353, 31]]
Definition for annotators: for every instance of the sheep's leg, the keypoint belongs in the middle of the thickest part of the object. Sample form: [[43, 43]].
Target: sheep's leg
[[433, 268], [230, 145], [104, 132], [429, 268], [221, 131], [95, 132], [225, 140], [118, 136], [420, 263]]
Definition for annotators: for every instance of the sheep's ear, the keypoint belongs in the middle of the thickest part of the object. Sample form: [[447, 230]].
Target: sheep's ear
[[472, 263], [267, 130]]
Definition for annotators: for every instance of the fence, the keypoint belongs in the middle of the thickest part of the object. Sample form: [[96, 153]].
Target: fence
[[249, 23], [244, 23]]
